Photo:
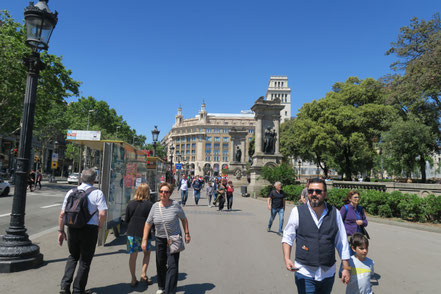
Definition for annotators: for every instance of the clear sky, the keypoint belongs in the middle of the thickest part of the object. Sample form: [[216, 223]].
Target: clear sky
[[145, 58]]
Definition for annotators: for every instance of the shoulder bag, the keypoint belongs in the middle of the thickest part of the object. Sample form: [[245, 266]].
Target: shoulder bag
[[175, 242]]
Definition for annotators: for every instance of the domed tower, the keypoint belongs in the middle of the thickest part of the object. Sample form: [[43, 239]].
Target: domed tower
[[203, 113], [179, 118]]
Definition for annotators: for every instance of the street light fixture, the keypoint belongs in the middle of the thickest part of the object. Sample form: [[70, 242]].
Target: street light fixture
[[17, 252], [155, 134], [172, 150]]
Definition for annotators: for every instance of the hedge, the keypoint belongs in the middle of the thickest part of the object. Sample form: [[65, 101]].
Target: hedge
[[396, 204]]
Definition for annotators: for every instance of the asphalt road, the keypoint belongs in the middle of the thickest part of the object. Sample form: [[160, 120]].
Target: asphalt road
[[42, 208], [230, 252]]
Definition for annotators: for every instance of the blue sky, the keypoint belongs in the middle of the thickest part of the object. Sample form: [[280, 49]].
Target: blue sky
[[145, 58]]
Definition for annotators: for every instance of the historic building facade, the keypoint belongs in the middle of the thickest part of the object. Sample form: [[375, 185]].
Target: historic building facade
[[278, 88], [203, 143]]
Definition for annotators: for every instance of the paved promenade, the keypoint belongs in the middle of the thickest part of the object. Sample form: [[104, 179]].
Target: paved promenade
[[231, 252]]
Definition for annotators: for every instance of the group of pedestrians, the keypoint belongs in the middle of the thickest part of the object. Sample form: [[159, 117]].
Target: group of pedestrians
[[147, 223], [218, 191], [319, 230]]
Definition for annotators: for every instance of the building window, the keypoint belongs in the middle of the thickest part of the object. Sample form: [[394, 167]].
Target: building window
[[193, 146], [217, 130], [193, 152], [188, 146], [225, 139], [207, 157], [251, 131], [183, 139], [225, 147], [178, 139], [208, 147], [187, 152], [193, 138], [286, 113], [209, 139], [225, 158], [216, 158], [249, 138], [178, 146], [216, 139], [193, 158], [216, 145], [208, 130]]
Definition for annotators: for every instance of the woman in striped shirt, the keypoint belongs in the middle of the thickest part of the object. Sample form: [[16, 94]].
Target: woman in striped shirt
[[166, 263]]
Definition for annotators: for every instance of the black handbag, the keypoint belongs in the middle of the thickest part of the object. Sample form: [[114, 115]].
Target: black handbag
[[364, 232]]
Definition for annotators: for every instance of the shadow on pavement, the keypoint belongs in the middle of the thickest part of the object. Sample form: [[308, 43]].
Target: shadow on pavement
[[120, 288], [46, 262], [196, 288]]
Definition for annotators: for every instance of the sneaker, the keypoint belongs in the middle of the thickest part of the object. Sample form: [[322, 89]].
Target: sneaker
[[65, 291], [268, 229], [160, 291]]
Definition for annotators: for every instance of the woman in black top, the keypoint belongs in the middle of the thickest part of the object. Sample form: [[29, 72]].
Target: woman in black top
[[137, 212], [276, 204]]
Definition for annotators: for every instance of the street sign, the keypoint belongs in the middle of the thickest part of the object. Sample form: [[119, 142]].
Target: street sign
[[83, 135], [54, 156], [54, 165], [178, 165]]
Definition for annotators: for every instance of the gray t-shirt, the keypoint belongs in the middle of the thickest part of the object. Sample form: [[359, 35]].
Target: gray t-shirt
[[171, 215]]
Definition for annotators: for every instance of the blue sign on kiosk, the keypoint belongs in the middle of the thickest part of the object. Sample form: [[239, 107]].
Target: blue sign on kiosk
[[178, 165]]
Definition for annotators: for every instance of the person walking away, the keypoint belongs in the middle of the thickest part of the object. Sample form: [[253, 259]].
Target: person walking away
[[82, 241], [183, 186], [31, 180], [318, 230], [137, 212], [230, 190], [221, 190], [197, 186], [209, 192], [38, 179], [276, 205], [165, 215], [362, 267]]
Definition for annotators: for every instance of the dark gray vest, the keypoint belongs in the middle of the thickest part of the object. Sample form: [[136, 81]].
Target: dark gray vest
[[314, 246]]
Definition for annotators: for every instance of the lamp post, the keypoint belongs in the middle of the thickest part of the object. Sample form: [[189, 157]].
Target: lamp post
[[17, 252], [300, 163], [88, 117], [171, 149], [155, 134], [178, 158]]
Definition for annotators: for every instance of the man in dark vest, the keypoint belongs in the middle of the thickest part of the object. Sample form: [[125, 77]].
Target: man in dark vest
[[318, 230]]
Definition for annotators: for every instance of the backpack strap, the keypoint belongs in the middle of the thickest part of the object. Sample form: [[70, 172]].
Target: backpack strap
[[346, 212], [87, 192]]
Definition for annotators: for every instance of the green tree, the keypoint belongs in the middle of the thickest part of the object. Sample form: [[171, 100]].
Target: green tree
[[416, 93], [283, 173], [339, 131]]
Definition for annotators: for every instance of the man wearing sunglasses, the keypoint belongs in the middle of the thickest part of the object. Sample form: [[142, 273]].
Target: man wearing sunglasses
[[318, 230]]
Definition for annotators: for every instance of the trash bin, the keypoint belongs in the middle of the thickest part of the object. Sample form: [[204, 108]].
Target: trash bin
[[243, 191]]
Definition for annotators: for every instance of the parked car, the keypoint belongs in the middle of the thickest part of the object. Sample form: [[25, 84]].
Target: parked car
[[73, 178], [4, 188]]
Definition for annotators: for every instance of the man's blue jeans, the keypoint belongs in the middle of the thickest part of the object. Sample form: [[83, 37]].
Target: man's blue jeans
[[274, 211], [307, 285], [184, 196], [197, 195]]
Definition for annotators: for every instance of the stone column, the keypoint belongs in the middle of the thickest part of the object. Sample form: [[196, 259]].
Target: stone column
[[276, 120], [258, 134]]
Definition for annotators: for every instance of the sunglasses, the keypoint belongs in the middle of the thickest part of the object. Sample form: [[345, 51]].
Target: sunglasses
[[164, 191], [317, 191]]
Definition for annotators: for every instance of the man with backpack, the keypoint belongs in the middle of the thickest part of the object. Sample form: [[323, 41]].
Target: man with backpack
[[84, 213]]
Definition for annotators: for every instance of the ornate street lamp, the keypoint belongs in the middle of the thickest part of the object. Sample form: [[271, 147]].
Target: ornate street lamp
[[17, 252], [155, 134], [172, 150]]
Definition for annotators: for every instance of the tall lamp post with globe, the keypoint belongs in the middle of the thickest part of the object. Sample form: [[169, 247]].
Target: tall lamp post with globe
[[171, 150], [155, 135], [17, 252]]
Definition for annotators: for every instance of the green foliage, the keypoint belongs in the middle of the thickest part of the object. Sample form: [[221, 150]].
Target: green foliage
[[264, 192], [384, 210], [293, 192], [339, 130], [336, 197], [432, 208], [411, 207], [283, 173]]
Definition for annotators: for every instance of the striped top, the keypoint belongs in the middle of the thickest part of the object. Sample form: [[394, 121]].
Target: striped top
[[171, 214]]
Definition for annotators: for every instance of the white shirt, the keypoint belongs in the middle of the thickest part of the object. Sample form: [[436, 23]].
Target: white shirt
[[341, 243], [96, 201], [184, 185], [361, 274]]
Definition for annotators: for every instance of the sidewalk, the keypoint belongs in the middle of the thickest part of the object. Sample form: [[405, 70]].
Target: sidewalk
[[232, 253]]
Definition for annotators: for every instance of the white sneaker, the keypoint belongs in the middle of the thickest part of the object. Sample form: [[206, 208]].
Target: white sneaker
[[160, 292]]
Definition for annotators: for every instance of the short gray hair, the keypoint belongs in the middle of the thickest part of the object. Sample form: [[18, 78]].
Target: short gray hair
[[277, 183], [88, 176]]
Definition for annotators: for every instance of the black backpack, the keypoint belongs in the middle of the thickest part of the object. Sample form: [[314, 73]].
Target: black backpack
[[76, 212]]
